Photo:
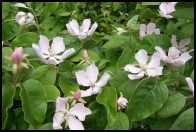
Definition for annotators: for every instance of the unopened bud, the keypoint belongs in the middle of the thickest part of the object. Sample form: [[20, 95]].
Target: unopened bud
[[17, 55], [122, 102], [85, 55], [77, 95], [14, 68]]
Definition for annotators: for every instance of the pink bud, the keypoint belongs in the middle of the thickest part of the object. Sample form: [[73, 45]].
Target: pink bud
[[17, 55], [85, 55], [77, 95], [122, 102]]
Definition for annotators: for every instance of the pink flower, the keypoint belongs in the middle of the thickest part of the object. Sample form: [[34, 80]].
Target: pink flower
[[63, 113], [174, 57], [83, 31], [17, 55], [166, 9], [50, 55], [23, 18], [190, 84], [122, 102], [151, 69], [88, 78], [85, 55], [149, 29], [77, 95]]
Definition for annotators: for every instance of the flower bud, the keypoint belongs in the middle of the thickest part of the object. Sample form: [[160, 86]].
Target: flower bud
[[122, 102], [77, 95], [85, 55], [17, 55]]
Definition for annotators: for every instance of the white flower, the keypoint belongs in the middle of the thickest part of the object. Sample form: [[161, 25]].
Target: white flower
[[190, 84], [122, 102], [62, 113], [23, 18], [151, 69], [83, 31], [149, 29], [120, 31], [89, 78], [174, 57], [50, 55], [166, 9]]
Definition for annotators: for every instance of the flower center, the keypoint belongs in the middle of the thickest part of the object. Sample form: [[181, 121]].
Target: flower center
[[52, 52], [143, 66]]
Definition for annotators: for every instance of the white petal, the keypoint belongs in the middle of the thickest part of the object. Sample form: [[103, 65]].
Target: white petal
[[184, 42], [57, 120], [86, 93], [162, 14], [190, 84], [96, 90], [177, 62], [93, 28], [173, 41], [171, 7], [154, 71], [173, 52], [86, 25], [22, 20], [44, 44], [132, 68], [70, 29], [60, 104], [80, 111], [31, 17], [67, 53], [142, 31], [53, 61], [82, 78], [162, 7], [92, 72], [151, 28], [184, 57], [157, 31], [155, 61], [58, 45], [162, 53], [82, 35], [103, 80], [74, 26], [136, 76], [74, 124], [141, 56]]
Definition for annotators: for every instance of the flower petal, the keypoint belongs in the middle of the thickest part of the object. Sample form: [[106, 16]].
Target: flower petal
[[93, 28], [162, 7], [154, 72], [82, 78], [82, 35], [190, 84], [67, 53], [53, 61], [162, 54], [74, 124], [58, 45], [103, 80], [70, 29], [184, 42], [44, 44], [157, 31], [74, 26], [142, 31], [57, 120], [173, 52], [86, 25], [132, 68], [96, 90], [22, 20], [162, 14], [86, 93], [92, 72], [155, 61], [136, 76], [171, 7], [80, 111], [184, 57], [60, 104], [141, 56], [173, 41], [151, 28]]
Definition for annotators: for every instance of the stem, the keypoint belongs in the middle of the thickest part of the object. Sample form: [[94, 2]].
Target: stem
[[8, 20]]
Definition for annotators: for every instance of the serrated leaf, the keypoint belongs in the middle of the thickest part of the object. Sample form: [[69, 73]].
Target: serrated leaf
[[132, 21]]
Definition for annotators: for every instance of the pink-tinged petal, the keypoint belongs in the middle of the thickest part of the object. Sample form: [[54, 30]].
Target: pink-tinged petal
[[122, 102], [57, 120], [77, 95], [74, 124], [171, 7], [31, 17], [82, 79], [141, 56], [22, 20], [154, 71], [155, 61], [74, 26], [177, 62], [60, 104], [103, 80], [67, 53], [80, 111], [190, 84], [184, 57], [85, 54], [184, 42], [86, 25], [173, 52], [157, 31], [17, 55], [92, 72], [162, 8], [132, 68], [86, 93], [142, 31], [44, 44], [82, 35], [70, 29], [58, 45], [37, 50], [173, 41], [93, 28], [162, 14], [151, 28], [136, 76], [96, 90], [162, 53], [53, 61]]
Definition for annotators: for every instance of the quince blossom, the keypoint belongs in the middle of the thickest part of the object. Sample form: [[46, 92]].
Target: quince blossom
[[190, 84], [81, 31], [174, 57], [166, 9], [50, 55], [88, 78], [122, 102], [63, 113], [149, 29], [151, 69], [24, 18]]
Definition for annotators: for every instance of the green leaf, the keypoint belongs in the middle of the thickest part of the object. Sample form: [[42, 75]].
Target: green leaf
[[102, 63], [187, 31], [169, 79], [34, 102], [66, 87], [121, 123], [185, 13], [192, 75], [47, 126], [8, 92], [6, 63], [150, 3], [172, 106], [46, 74], [132, 21], [109, 103], [25, 40], [162, 124], [38, 8], [20, 123], [66, 66], [50, 8], [49, 22], [185, 121], [52, 93], [5, 9], [11, 33], [148, 97]]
